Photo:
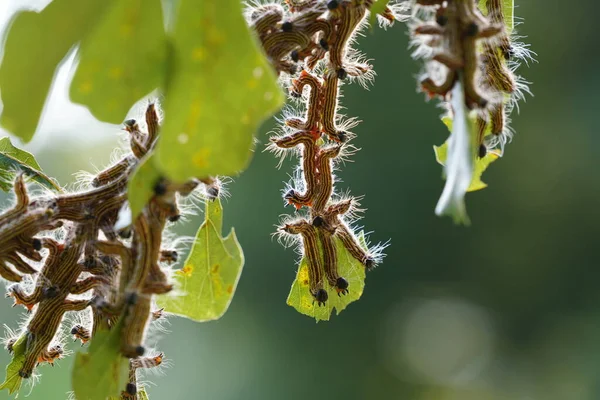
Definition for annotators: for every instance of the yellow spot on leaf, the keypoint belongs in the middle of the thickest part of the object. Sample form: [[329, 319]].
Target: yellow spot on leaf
[[303, 275], [198, 54], [115, 73], [217, 284], [252, 83], [85, 87], [194, 115], [200, 158], [245, 119], [195, 108], [215, 268], [185, 271], [215, 37], [126, 30], [307, 302]]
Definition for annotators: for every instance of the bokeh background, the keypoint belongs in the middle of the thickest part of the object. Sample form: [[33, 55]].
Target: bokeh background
[[506, 309]]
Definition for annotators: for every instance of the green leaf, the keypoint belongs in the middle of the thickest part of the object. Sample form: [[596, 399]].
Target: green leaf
[[121, 60], [481, 164], [460, 160], [464, 168], [348, 267], [101, 372], [35, 45], [508, 9], [209, 277], [377, 8], [142, 395], [13, 159], [140, 188], [221, 89], [13, 380]]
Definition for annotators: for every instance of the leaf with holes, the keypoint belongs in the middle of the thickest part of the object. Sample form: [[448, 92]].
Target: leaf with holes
[[102, 372], [481, 164], [121, 60], [348, 267], [209, 277], [13, 160], [45, 37]]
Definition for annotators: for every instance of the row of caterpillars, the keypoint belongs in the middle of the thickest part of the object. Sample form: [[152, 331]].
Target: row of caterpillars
[[310, 42], [476, 49], [114, 272]]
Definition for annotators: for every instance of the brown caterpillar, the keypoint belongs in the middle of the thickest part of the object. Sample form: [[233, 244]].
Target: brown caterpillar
[[315, 37], [116, 273]]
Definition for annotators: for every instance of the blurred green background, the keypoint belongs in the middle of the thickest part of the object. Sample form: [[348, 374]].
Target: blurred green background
[[505, 309]]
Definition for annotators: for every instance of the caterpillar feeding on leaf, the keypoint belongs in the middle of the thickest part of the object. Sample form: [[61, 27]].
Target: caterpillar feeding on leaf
[[84, 263], [471, 59], [309, 45]]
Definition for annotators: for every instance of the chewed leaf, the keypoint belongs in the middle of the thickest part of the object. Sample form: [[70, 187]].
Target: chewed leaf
[[221, 89], [13, 159], [121, 60], [35, 45], [377, 8], [481, 164], [209, 277], [460, 159], [348, 267], [102, 372], [12, 382]]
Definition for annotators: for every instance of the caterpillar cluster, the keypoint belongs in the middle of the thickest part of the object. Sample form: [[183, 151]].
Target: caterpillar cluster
[[309, 45], [86, 261], [460, 43]]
